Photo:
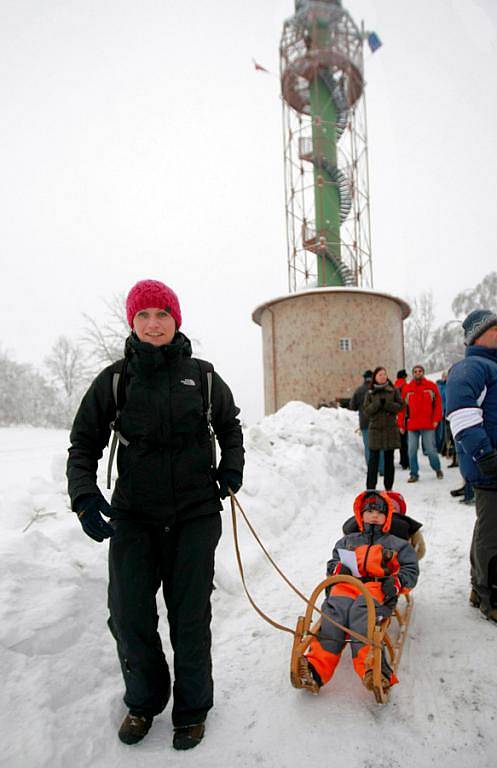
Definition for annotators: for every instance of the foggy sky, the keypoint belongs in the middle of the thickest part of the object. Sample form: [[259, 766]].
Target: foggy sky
[[138, 141]]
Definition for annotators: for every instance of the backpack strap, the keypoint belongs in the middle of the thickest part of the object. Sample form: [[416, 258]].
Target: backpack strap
[[118, 393], [206, 379]]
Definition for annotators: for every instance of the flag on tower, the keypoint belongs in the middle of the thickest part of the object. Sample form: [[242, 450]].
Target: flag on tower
[[258, 67], [374, 41]]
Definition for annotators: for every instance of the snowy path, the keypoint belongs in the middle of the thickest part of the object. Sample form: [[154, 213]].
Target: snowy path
[[61, 687]]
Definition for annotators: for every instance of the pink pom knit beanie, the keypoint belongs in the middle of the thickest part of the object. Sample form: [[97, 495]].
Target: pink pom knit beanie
[[152, 293]]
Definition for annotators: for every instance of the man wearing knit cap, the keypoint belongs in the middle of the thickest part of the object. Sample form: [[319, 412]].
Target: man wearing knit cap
[[164, 513], [472, 412]]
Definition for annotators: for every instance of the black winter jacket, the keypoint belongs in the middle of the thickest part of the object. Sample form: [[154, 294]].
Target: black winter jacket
[[166, 471], [357, 404]]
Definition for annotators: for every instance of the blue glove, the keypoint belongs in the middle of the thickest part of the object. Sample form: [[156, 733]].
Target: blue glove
[[89, 509], [228, 478]]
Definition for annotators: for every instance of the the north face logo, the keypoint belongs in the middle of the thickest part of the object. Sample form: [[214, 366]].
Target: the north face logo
[[188, 382]]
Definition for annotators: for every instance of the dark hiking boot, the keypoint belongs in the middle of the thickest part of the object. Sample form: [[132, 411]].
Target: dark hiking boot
[[412, 479], [134, 728], [474, 598], [468, 502], [457, 492], [188, 736], [439, 474], [489, 612], [308, 676]]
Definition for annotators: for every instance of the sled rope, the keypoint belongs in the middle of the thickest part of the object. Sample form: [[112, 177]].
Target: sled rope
[[234, 504]]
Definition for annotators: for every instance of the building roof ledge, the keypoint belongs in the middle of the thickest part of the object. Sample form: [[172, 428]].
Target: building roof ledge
[[404, 306]]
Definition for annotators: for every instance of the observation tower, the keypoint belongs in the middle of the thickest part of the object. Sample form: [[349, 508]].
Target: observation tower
[[318, 339], [326, 162]]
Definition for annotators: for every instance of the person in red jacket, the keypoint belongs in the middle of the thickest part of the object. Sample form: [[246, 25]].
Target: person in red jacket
[[420, 418], [400, 384]]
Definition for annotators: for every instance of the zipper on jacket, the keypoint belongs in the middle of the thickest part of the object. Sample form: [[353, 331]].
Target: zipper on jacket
[[367, 551]]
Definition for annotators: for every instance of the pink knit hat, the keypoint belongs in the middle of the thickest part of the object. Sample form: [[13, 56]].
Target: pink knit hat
[[152, 293]]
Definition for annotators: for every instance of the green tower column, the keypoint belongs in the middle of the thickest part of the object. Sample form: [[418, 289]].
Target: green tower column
[[326, 193], [324, 145]]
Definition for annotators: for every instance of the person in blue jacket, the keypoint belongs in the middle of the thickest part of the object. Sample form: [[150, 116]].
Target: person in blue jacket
[[472, 412]]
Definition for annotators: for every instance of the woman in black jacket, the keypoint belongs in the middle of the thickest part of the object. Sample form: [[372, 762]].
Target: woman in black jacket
[[382, 404], [165, 518]]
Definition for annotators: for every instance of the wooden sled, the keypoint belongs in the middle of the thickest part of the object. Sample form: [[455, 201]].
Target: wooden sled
[[389, 635]]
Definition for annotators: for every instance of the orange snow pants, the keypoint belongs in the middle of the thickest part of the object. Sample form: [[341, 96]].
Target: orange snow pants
[[325, 650]]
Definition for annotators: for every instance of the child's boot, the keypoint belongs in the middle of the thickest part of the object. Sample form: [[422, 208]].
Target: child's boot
[[308, 676], [369, 684], [322, 662]]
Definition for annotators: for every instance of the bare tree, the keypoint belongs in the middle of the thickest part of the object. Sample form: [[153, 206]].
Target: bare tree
[[66, 365], [105, 340], [419, 328]]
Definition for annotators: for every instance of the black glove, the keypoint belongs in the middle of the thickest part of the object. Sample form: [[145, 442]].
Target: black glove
[[89, 509], [386, 559], [488, 464], [390, 591], [228, 478]]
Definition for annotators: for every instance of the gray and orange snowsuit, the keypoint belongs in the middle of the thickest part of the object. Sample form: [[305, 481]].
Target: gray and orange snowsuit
[[379, 554]]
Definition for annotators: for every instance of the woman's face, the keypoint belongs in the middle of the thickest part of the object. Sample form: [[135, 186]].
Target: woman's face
[[154, 326], [381, 377]]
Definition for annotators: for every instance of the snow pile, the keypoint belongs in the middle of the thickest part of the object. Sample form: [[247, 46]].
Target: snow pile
[[298, 462], [61, 700]]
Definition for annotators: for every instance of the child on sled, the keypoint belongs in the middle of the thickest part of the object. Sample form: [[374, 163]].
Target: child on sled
[[387, 565]]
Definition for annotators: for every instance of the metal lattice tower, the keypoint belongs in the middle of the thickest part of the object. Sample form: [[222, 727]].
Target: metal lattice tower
[[325, 146]]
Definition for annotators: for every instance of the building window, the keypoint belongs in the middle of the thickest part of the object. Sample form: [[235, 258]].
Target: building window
[[345, 345]]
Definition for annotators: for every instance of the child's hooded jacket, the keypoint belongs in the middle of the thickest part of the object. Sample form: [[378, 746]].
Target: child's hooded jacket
[[379, 554]]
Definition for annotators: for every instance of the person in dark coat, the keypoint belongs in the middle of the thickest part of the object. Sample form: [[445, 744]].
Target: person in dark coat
[[357, 404], [164, 514], [381, 405]]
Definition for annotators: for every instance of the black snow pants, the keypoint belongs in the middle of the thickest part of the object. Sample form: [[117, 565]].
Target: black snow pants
[[483, 553], [404, 453], [374, 460], [181, 558]]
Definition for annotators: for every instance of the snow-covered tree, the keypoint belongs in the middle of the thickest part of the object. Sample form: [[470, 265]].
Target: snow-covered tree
[[446, 347], [438, 347], [26, 397], [483, 296]]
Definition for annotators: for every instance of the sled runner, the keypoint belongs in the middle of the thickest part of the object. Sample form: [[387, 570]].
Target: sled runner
[[388, 636]]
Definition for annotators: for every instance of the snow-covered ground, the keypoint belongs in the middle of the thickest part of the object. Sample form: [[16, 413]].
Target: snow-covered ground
[[60, 681]]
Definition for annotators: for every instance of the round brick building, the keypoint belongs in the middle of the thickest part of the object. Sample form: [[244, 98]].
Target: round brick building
[[317, 343]]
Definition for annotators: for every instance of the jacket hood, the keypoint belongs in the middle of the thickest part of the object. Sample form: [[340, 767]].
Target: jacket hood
[[358, 504], [398, 501]]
